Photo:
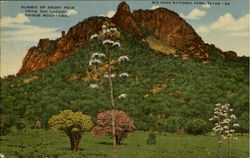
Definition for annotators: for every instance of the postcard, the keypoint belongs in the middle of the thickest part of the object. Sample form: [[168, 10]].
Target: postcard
[[124, 79]]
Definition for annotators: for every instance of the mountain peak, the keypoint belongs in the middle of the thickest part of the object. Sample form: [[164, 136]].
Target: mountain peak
[[123, 7]]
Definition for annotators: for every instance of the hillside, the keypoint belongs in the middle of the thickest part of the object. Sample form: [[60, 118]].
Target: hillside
[[159, 86], [163, 88]]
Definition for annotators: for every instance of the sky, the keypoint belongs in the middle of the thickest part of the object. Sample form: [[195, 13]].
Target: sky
[[225, 26]]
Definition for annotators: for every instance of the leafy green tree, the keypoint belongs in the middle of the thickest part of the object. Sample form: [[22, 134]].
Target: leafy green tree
[[20, 124], [4, 124], [196, 126], [175, 124], [73, 124]]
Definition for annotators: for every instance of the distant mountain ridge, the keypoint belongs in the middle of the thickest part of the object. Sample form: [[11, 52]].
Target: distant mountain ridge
[[160, 28]]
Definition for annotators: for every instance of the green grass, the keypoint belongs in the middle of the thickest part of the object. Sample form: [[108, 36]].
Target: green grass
[[41, 143]]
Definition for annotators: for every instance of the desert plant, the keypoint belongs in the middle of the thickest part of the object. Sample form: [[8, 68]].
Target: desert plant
[[73, 124], [108, 64], [224, 126], [123, 125]]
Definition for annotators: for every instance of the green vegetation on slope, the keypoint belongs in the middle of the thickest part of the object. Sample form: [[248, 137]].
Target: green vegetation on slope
[[164, 92]]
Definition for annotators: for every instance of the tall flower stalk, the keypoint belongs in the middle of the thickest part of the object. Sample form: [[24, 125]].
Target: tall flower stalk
[[224, 126], [105, 58]]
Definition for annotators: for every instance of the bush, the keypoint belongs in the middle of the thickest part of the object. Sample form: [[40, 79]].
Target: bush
[[175, 125], [151, 138], [196, 126], [20, 124], [4, 124], [161, 125]]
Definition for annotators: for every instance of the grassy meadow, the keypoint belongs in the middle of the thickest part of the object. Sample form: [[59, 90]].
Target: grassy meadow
[[41, 143]]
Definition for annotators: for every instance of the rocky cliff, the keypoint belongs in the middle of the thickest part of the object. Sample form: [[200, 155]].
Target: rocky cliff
[[162, 25], [40, 57]]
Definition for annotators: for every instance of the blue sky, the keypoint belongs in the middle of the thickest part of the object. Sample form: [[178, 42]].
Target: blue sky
[[226, 26]]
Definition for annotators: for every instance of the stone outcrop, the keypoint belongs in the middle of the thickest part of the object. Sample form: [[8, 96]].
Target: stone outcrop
[[69, 43], [164, 25], [231, 54]]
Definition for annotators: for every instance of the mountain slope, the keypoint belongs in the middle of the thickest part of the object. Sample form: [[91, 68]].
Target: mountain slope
[[160, 87]]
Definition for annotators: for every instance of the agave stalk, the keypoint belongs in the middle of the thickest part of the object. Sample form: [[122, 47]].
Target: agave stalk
[[111, 98]]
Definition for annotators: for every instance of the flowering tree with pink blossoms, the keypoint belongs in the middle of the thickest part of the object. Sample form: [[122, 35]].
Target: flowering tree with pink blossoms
[[124, 125]]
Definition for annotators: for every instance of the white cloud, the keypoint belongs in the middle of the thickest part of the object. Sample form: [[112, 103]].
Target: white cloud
[[206, 6], [239, 34], [109, 14], [155, 7], [195, 14], [228, 24], [202, 29], [9, 21], [23, 32], [71, 12]]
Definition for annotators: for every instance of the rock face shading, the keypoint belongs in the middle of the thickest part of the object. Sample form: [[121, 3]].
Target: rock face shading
[[162, 25], [67, 44]]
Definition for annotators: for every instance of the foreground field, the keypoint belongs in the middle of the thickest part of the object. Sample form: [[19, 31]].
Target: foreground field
[[51, 144]]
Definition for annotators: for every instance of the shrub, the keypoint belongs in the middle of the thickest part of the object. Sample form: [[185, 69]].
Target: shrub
[[73, 124], [196, 126], [151, 138], [123, 125], [4, 124], [20, 124], [175, 124]]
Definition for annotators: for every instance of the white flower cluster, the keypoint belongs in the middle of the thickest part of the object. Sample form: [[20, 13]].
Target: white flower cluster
[[104, 27], [106, 30], [111, 43], [94, 62], [2, 155], [108, 42], [123, 58], [94, 36], [113, 29], [97, 55], [223, 119], [107, 76], [94, 86], [124, 75], [122, 96]]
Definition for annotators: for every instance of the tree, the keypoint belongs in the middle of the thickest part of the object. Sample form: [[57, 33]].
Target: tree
[[123, 125], [73, 124], [4, 124], [196, 126]]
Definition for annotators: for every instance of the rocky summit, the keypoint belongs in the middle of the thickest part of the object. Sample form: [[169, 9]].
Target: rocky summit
[[163, 30]]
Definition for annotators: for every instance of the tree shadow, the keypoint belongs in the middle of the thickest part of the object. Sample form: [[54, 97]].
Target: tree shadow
[[109, 143]]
